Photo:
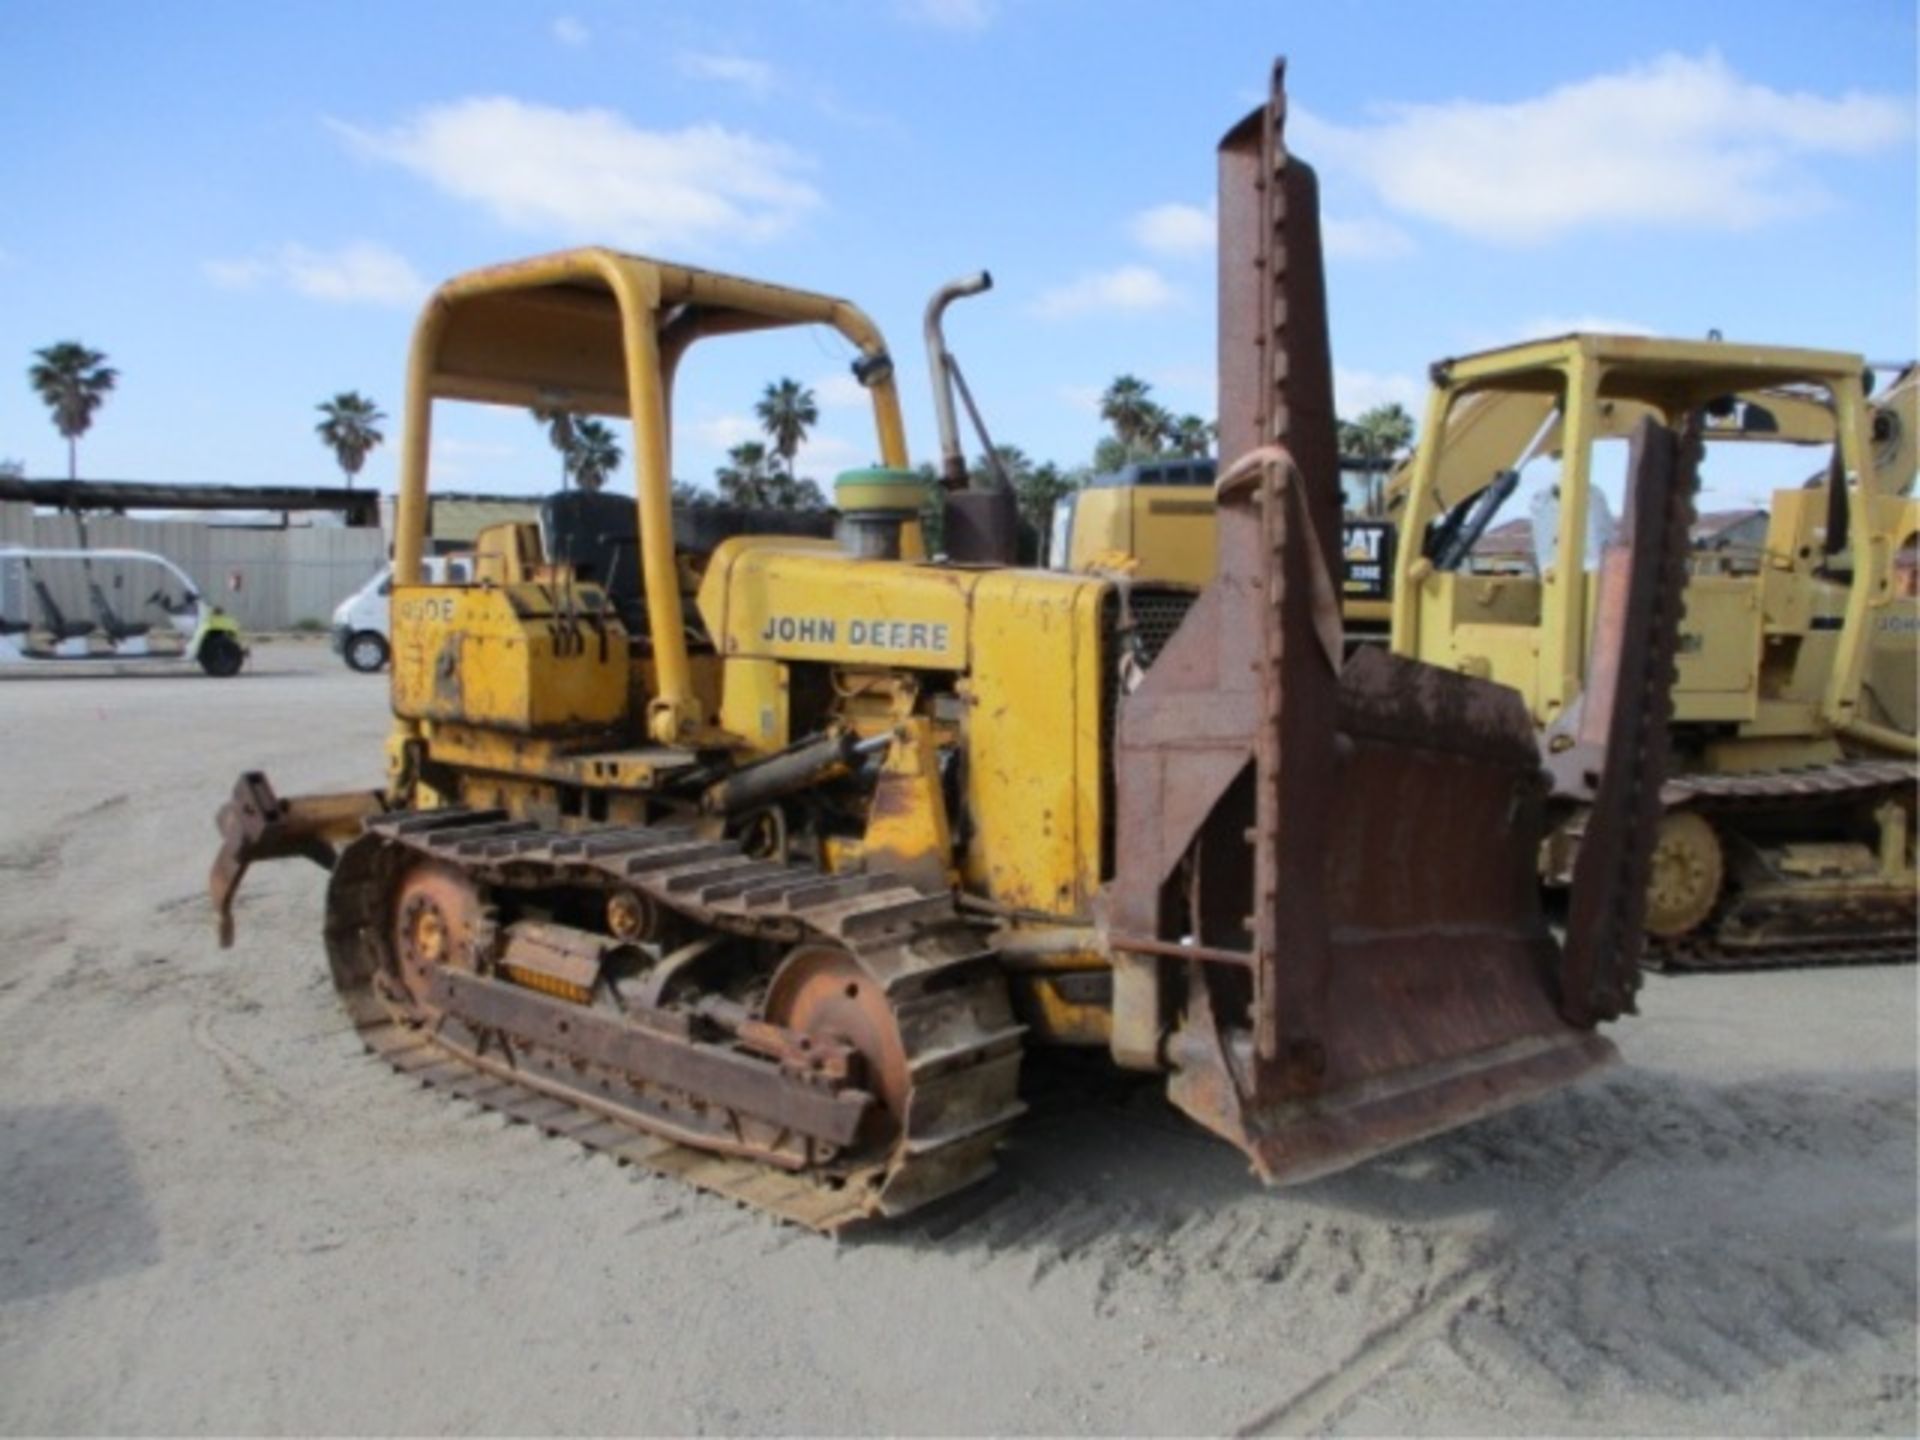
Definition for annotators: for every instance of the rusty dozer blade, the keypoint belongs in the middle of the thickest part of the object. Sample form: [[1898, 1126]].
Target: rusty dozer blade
[[1331, 861], [1610, 753], [256, 824]]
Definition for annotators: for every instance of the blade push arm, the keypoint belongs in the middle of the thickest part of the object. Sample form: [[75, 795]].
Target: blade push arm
[[256, 824]]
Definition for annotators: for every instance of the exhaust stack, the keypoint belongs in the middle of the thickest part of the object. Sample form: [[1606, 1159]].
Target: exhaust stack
[[983, 522], [940, 368]]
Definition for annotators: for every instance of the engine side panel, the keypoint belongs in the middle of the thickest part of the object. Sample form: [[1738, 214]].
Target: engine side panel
[[1034, 748], [523, 658]]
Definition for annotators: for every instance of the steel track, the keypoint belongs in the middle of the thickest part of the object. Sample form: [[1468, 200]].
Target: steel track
[[1733, 794], [962, 1044]]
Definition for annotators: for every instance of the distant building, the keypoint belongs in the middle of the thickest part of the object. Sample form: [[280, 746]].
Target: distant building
[[457, 519], [1729, 540], [1722, 540], [1506, 549]]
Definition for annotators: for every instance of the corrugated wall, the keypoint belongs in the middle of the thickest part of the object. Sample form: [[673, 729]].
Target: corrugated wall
[[285, 575]]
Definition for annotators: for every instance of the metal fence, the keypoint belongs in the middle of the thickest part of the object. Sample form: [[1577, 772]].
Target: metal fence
[[284, 576]]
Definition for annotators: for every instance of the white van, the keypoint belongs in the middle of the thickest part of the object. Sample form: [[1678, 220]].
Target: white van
[[360, 621]]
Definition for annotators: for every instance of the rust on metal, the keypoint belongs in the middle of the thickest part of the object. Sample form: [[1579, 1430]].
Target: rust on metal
[[1170, 950], [437, 922], [714, 1078], [821, 991], [256, 824], [1305, 811], [557, 960], [1626, 716], [867, 1104]]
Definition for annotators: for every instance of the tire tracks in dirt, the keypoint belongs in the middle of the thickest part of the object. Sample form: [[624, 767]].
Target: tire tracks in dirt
[[1320, 1401]]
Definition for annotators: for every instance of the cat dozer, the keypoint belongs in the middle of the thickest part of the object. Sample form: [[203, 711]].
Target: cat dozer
[[761, 861], [1787, 834], [1788, 837]]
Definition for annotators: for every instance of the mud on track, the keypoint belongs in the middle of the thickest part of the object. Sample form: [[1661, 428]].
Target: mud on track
[[216, 1214]]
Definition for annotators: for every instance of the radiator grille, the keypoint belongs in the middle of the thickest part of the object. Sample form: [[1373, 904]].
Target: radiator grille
[[1156, 613]]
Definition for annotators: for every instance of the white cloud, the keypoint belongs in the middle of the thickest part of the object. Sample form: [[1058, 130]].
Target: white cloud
[[459, 448], [1542, 326], [1545, 327], [455, 458], [1357, 391], [1363, 239], [590, 175], [1677, 142], [722, 432], [1084, 398], [361, 273], [569, 31], [1127, 288], [1188, 379], [839, 392], [753, 76], [821, 457], [236, 274], [1174, 229], [973, 15], [370, 273]]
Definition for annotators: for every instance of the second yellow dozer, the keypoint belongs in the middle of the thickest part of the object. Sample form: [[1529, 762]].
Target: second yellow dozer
[[762, 862], [1788, 827], [1788, 836]]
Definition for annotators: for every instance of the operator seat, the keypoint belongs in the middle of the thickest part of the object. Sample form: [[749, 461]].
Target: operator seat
[[110, 622], [54, 619], [598, 535]]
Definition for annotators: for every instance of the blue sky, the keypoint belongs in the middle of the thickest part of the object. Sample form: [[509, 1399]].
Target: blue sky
[[243, 203]]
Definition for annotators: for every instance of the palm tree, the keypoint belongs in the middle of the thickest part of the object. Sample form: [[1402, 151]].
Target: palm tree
[[1191, 436], [787, 411], [1125, 406], [560, 430], [1015, 464], [350, 430], [743, 479], [1379, 434], [596, 454], [1156, 429], [790, 492], [1038, 490], [75, 382]]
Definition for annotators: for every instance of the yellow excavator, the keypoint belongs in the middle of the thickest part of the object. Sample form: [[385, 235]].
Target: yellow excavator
[[762, 859], [1788, 834], [1154, 518]]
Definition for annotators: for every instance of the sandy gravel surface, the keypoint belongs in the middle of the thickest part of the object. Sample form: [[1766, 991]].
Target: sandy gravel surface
[[217, 1215]]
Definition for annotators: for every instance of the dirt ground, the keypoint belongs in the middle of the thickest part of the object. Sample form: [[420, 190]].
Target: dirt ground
[[217, 1215]]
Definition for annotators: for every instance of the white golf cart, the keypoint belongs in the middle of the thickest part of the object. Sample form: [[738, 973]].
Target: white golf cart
[[36, 629]]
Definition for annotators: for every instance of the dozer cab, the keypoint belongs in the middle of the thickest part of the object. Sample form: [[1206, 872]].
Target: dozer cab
[[1787, 833], [765, 867]]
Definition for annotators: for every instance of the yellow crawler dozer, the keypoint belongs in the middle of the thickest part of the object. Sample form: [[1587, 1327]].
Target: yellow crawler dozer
[[1788, 834], [761, 859]]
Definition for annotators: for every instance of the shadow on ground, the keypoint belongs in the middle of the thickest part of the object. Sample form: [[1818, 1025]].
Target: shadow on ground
[[72, 1210]]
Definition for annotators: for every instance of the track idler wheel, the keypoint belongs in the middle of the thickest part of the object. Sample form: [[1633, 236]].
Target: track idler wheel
[[437, 919], [821, 991], [1684, 879]]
